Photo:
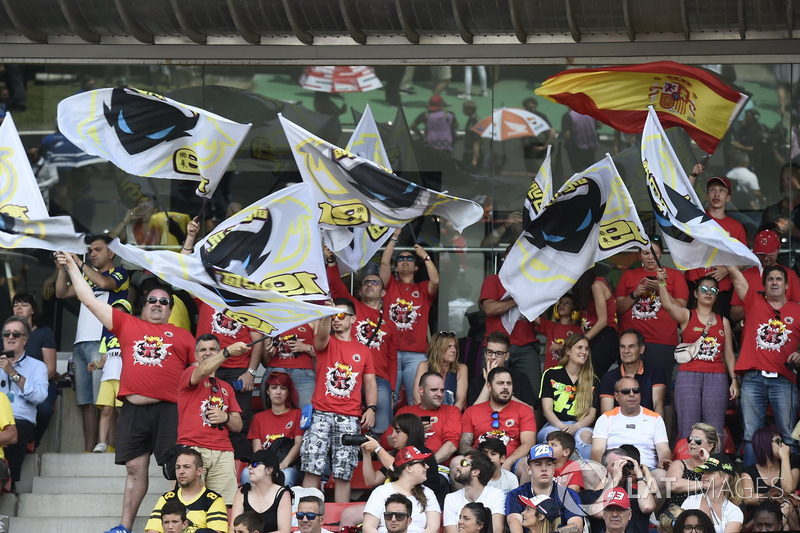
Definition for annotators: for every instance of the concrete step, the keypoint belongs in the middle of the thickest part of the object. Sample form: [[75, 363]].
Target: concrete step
[[87, 465], [69, 525], [108, 506], [94, 485]]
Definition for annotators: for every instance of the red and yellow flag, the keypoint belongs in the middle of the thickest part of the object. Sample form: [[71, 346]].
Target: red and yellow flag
[[692, 98]]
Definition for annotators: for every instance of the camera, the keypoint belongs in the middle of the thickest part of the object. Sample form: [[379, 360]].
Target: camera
[[353, 440], [627, 468]]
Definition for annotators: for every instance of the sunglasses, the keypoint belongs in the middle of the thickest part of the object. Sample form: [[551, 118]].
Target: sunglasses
[[491, 354], [340, 316], [308, 516], [464, 462], [374, 282], [626, 392], [695, 440], [255, 464], [162, 300], [706, 289], [214, 387], [15, 334], [401, 258], [387, 516], [778, 441], [495, 419], [447, 333]]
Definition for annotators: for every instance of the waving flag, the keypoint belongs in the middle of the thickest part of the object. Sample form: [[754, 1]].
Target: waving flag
[[692, 98], [257, 267], [540, 192], [694, 238], [24, 221], [150, 135], [352, 191], [591, 218]]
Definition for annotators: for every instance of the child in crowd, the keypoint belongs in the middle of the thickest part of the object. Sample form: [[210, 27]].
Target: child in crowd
[[111, 364], [248, 522], [502, 479], [567, 473], [173, 517], [565, 321]]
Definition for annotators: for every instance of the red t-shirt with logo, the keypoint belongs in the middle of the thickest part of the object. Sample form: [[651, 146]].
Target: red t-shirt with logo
[[154, 356], [756, 281], [445, 425], [227, 330], [267, 427], [647, 314], [284, 357], [341, 367], [408, 305], [712, 350], [194, 428], [513, 419], [555, 332], [523, 332]]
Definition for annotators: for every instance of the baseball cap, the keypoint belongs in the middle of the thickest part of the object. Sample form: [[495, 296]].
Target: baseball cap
[[766, 242], [435, 103], [124, 303], [542, 503], [719, 180], [408, 454], [718, 462], [617, 498], [265, 457], [541, 451]]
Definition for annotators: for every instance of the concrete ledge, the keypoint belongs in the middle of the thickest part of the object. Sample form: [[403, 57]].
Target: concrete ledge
[[69, 525], [87, 465], [94, 485], [107, 506]]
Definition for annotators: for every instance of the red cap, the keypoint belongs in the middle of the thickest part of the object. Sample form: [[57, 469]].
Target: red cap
[[435, 103], [617, 498], [408, 454], [720, 181], [766, 242]]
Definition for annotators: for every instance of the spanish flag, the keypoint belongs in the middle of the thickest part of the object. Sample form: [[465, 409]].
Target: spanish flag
[[692, 98]]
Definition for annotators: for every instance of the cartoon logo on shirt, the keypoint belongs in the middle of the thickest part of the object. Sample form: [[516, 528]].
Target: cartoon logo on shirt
[[224, 325], [211, 402], [646, 307], [282, 348], [150, 351], [364, 331], [270, 439], [404, 314], [709, 349], [496, 434], [340, 380], [772, 335]]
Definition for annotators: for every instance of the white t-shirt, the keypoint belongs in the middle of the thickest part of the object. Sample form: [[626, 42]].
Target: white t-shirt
[[376, 505], [491, 497], [746, 180], [506, 483], [643, 430], [730, 512]]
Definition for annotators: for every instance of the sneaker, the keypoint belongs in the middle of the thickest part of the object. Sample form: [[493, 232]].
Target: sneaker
[[119, 529], [465, 96], [484, 93], [100, 448]]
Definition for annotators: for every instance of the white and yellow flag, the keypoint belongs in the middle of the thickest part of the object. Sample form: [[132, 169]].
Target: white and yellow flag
[[694, 239], [592, 217], [352, 191], [257, 267], [149, 135], [24, 221], [540, 192]]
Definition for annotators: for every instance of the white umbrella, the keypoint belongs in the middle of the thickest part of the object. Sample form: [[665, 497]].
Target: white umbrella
[[511, 123]]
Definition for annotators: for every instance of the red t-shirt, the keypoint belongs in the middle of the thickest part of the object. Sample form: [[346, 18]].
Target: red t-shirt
[[712, 351], [408, 306], [569, 474], [284, 357], [769, 336], [647, 314], [153, 356], [513, 419], [340, 374], [445, 425], [384, 341], [194, 429], [523, 332], [555, 332], [226, 329], [589, 316], [267, 427], [756, 281], [735, 230]]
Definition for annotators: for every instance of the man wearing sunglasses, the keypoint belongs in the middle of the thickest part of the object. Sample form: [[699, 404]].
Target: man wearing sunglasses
[[108, 284], [473, 473], [154, 355], [310, 514], [398, 513]]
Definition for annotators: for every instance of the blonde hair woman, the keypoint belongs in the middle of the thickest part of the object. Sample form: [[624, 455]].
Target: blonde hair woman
[[442, 358]]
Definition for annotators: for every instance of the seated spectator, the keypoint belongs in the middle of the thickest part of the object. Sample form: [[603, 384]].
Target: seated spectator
[[407, 478], [265, 494], [616, 511], [442, 357], [398, 513], [567, 473], [565, 322], [693, 520], [496, 354], [703, 441], [475, 518], [473, 473], [310, 515], [278, 427], [720, 499], [248, 522], [173, 517], [569, 395], [540, 515], [502, 479], [767, 516]]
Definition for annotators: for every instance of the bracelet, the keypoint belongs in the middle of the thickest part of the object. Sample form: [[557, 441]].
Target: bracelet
[[187, 249], [82, 265], [379, 448], [632, 296], [394, 240], [228, 417], [693, 175], [662, 284]]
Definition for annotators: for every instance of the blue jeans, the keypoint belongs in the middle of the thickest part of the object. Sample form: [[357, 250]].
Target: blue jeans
[[84, 353], [292, 476], [583, 449], [303, 379], [407, 363], [758, 392], [383, 417], [44, 411]]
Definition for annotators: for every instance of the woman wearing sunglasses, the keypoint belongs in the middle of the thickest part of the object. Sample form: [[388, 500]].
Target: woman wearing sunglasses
[[442, 358], [569, 395], [702, 390], [720, 498], [282, 416], [776, 472], [703, 441], [265, 494]]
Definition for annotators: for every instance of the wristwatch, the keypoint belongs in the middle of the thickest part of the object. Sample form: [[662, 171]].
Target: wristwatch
[[373, 407], [252, 372], [16, 378]]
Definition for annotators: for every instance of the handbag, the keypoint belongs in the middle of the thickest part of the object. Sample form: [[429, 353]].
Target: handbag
[[687, 351]]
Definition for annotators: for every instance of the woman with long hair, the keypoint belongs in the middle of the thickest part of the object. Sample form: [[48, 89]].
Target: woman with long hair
[[594, 298], [693, 521], [474, 518], [282, 413], [703, 441], [556, 326], [541, 514], [720, 497], [265, 494], [407, 478], [702, 388], [569, 396], [442, 358]]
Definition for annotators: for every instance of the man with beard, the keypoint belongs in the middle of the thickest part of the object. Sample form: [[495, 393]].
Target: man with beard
[[473, 472], [500, 417], [204, 508]]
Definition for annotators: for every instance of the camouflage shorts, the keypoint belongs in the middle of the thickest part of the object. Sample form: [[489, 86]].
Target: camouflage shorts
[[325, 435]]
